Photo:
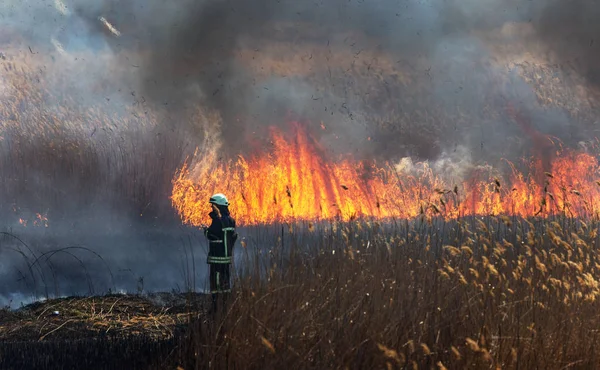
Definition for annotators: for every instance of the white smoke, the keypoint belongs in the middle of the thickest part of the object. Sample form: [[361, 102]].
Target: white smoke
[[452, 167]]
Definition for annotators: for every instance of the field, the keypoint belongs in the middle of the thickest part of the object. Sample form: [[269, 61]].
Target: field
[[399, 272], [491, 292], [477, 293]]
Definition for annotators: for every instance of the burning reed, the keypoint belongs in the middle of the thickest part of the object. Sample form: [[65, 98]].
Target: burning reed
[[296, 180]]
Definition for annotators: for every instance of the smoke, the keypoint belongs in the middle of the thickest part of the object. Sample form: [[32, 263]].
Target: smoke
[[451, 167], [48, 264], [202, 53], [226, 56], [570, 29]]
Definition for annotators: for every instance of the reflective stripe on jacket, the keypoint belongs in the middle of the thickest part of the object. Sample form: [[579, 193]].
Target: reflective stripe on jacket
[[221, 236]]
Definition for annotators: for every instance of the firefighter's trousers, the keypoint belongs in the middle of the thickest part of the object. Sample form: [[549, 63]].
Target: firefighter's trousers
[[220, 285], [219, 278]]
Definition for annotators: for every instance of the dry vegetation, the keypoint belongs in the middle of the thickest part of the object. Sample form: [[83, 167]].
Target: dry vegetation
[[113, 331], [477, 293], [155, 316], [53, 144]]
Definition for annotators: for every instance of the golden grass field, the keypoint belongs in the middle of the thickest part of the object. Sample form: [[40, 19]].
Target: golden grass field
[[475, 293]]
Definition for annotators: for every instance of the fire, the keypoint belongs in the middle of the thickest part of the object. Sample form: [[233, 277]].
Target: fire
[[296, 181], [40, 220]]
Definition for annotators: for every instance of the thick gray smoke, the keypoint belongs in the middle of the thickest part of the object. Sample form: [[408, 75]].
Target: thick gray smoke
[[571, 30], [192, 55]]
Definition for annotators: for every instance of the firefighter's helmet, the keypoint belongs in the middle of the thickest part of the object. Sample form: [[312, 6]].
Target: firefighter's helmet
[[219, 199]]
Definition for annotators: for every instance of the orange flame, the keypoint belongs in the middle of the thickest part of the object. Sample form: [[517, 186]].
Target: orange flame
[[295, 182], [39, 220]]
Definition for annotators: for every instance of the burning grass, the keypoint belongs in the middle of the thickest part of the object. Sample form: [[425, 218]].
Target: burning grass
[[297, 181], [491, 292]]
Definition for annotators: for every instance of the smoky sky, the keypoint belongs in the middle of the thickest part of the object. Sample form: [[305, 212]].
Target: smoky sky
[[571, 29], [187, 54], [190, 48]]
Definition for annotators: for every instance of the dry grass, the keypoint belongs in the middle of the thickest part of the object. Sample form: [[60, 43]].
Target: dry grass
[[474, 293], [102, 332], [88, 317], [479, 293]]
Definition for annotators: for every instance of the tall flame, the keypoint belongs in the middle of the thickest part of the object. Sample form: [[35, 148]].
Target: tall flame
[[294, 181]]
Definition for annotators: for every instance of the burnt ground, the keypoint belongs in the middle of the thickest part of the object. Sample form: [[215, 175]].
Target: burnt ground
[[108, 332]]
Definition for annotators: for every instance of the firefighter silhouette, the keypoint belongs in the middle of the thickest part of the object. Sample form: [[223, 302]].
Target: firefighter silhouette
[[221, 237]]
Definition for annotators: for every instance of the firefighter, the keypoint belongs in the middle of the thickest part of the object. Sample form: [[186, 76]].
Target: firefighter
[[221, 237]]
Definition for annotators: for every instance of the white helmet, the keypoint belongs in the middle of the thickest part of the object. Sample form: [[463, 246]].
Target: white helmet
[[219, 199]]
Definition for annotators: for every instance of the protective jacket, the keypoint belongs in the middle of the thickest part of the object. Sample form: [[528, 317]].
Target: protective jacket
[[221, 237]]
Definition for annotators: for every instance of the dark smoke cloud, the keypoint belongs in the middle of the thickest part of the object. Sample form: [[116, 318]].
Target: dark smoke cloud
[[188, 57], [191, 56], [572, 31]]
